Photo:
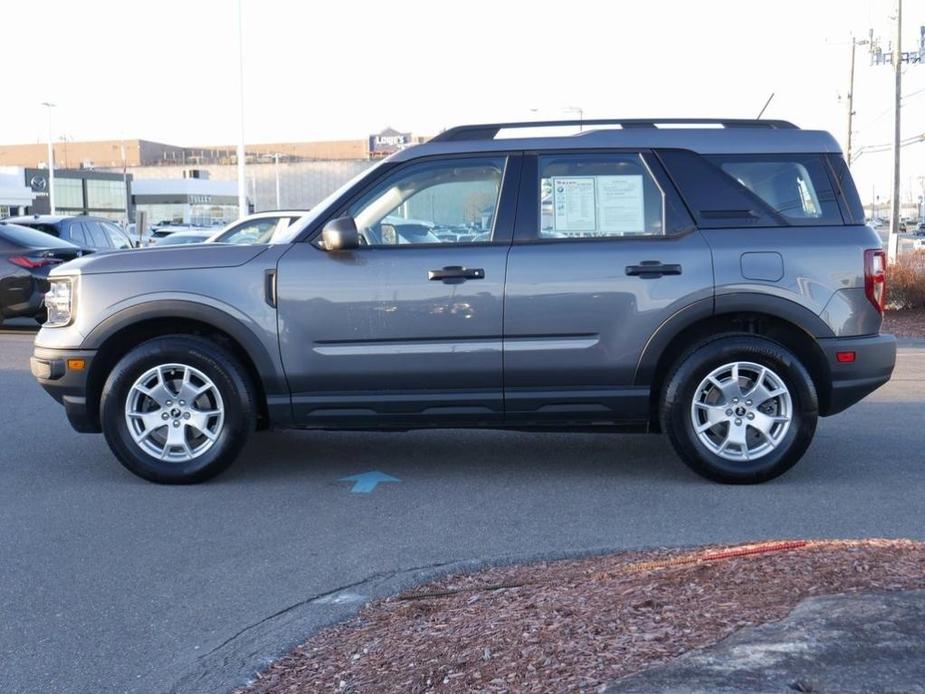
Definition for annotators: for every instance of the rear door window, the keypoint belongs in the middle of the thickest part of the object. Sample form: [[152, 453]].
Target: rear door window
[[797, 187], [78, 236], [96, 233], [116, 236], [599, 196]]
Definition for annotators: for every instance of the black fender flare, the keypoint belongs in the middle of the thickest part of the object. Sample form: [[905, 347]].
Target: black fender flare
[[269, 370], [739, 302]]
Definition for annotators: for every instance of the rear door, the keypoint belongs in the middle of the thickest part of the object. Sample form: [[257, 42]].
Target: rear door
[[407, 328], [604, 253]]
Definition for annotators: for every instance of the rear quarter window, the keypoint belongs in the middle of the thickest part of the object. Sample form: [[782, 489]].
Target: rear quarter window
[[797, 187], [25, 237], [759, 190]]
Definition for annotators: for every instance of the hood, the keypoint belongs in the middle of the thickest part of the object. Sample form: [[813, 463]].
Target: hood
[[151, 259]]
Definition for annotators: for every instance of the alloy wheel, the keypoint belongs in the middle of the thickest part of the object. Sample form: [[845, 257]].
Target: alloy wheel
[[741, 411]]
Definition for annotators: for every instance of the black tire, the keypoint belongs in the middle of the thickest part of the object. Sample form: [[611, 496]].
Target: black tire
[[228, 377], [682, 386]]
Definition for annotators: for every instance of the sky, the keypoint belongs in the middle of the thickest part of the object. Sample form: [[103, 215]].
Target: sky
[[167, 70]]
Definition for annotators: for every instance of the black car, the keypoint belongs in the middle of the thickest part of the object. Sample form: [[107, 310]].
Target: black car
[[26, 256], [88, 233]]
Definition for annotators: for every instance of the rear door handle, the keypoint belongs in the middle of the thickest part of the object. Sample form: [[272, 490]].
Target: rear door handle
[[650, 269], [456, 273]]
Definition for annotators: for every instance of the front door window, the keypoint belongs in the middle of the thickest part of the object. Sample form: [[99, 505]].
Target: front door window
[[443, 202]]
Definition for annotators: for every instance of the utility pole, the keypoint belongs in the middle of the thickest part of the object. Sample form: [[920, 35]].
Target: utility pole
[[242, 184], [893, 241], [896, 59], [51, 161]]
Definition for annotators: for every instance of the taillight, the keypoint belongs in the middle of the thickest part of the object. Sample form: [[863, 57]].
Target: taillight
[[31, 263], [875, 277]]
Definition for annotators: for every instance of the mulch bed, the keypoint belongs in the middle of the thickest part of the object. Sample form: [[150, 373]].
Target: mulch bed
[[908, 323], [575, 625]]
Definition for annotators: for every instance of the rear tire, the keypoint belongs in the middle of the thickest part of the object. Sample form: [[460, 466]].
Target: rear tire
[[177, 409], [739, 409]]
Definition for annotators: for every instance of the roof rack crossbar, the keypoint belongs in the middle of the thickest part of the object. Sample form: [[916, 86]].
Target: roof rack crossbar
[[488, 131]]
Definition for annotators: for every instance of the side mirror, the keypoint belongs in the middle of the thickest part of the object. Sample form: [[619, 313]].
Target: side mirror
[[340, 234]]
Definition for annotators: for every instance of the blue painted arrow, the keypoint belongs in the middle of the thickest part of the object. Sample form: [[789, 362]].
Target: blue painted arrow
[[365, 482]]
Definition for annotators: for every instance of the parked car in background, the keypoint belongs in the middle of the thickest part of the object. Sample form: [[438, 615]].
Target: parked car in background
[[85, 232], [26, 257], [163, 231], [182, 238], [258, 228]]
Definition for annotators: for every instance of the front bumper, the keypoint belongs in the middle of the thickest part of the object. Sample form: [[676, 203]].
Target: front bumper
[[874, 359], [56, 372]]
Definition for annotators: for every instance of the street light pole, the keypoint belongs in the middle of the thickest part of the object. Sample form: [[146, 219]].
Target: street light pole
[[581, 115], [893, 241], [51, 161], [276, 169], [854, 45], [242, 185], [125, 182]]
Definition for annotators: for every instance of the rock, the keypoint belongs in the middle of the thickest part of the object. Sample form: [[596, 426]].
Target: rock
[[839, 643]]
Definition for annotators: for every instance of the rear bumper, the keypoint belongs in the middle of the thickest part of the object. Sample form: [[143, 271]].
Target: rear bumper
[[66, 384], [874, 359], [22, 297]]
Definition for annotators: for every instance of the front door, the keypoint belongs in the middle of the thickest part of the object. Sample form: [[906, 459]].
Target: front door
[[604, 253], [406, 329]]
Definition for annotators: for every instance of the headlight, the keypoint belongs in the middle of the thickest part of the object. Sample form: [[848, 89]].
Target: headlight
[[60, 301]]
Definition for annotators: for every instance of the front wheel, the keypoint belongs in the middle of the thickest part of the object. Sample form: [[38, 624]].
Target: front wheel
[[177, 409], [740, 409]]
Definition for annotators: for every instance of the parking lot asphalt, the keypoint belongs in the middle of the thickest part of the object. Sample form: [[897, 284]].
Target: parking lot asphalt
[[110, 583]]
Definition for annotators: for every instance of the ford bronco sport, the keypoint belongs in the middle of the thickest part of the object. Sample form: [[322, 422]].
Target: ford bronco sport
[[710, 279]]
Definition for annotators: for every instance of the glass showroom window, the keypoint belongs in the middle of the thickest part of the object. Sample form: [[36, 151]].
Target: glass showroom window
[[599, 196], [163, 214], [105, 195], [69, 193]]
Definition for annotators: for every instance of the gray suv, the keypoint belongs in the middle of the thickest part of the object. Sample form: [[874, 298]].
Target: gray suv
[[710, 279]]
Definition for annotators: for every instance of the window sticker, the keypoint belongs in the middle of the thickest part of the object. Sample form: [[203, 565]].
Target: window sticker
[[620, 204], [599, 204], [573, 198]]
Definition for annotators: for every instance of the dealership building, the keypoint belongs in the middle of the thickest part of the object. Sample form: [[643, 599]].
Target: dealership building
[[26, 190], [193, 199], [15, 196], [183, 185]]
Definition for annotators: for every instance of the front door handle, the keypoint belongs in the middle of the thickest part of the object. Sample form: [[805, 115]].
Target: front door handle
[[650, 269], [456, 273]]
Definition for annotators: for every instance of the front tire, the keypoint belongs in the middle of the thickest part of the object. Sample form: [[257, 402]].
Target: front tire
[[740, 409], [177, 409]]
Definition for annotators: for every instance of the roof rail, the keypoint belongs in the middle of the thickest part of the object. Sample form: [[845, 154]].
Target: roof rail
[[488, 131]]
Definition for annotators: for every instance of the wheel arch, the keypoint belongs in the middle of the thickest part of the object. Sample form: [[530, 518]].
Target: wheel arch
[[116, 335], [783, 321]]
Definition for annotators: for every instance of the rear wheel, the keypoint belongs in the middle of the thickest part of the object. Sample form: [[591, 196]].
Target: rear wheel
[[740, 409], [177, 409]]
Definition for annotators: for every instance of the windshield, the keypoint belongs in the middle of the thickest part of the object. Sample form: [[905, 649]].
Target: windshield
[[288, 234]]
